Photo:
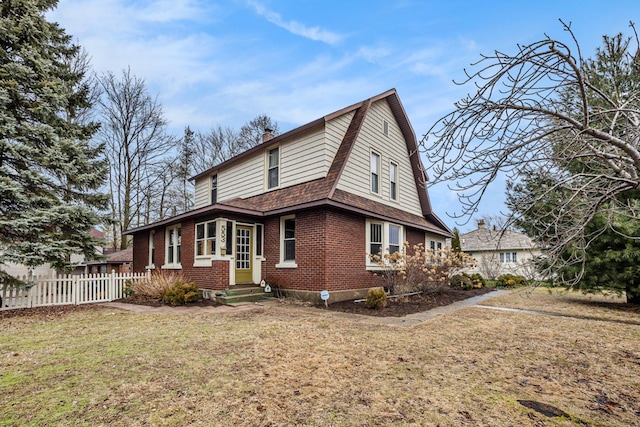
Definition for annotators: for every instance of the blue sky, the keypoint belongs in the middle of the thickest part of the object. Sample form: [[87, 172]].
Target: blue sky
[[224, 62]]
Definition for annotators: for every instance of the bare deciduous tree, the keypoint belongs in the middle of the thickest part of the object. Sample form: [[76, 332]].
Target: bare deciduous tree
[[536, 112], [134, 131], [222, 143]]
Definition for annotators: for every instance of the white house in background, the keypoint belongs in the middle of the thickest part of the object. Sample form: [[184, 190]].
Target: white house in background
[[500, 252], [23, 271]]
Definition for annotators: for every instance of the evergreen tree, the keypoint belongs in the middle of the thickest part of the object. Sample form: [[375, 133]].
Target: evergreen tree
[[49, 171], [455, 241], [611, 239], [613, 259]]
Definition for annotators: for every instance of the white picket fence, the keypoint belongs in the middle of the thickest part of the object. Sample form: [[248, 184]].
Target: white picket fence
[[67, 289]]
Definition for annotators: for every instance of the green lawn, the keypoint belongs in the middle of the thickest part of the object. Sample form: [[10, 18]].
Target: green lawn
[[289, 365]]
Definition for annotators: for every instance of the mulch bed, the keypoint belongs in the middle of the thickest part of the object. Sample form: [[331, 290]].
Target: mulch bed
[[157, 302], [47, 313], [394, 308], [409, 305]]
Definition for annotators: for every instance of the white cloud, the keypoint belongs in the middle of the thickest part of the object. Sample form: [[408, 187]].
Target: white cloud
[[294, 27], [373, 54]]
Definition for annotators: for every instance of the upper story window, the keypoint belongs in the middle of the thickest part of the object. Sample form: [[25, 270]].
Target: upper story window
[[375, 172], [273, 170], [214, 189], [393, 181], [206, 238], [173, 243]]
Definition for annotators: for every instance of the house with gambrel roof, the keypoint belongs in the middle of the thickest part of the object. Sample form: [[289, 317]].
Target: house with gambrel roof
[[303, 209]]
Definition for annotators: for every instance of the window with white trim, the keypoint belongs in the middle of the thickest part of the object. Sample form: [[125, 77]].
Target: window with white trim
[[393, 181], [152, 249], [205, 239], [173, 242], [273, 168], [506, 257], [394, 238], [375, 238], [289, 239], [385, 127], [375, 172], [383, 238], [259, 239], [214, 189], [287, 242]]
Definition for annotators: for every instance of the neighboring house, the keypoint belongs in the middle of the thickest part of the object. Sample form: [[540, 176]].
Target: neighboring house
[[23, 271], [499, 252], [304, 209], [119, 262]]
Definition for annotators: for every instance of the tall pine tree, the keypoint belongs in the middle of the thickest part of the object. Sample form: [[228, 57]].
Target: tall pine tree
[[50, 173]]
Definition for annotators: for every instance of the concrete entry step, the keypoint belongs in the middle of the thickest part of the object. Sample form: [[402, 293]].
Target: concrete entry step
[[237, 295]]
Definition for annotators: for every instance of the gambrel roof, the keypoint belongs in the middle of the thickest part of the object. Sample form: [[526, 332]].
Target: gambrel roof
[[324, 191]]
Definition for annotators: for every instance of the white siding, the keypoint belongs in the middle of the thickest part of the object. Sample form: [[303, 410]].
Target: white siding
[[301, 159], [392, 148], [335, 131], [202, 192], [244, 179], [22, 271]]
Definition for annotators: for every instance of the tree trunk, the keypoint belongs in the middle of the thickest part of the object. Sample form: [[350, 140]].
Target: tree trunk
[[633, 294]]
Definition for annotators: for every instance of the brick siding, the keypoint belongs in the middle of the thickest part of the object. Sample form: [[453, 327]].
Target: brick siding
[[330, 253]]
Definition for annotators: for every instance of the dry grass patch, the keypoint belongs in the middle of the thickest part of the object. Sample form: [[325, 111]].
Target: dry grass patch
[[291, 365], [569, 303]]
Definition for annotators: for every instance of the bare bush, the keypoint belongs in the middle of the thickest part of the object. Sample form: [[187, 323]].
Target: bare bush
[[157, 283], [418, 270]]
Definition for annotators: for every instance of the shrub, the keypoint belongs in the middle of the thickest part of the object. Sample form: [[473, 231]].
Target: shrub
[[415, 269], [376, 298], [129, 288], [462, 280], [478, 281], [509, 280], [157, 284], [181, 293]]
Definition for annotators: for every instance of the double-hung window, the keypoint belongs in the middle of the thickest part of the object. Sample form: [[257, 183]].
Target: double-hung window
[[393, 181], [214, 189], [383, 238], [394, 238], [259, 239], [273, 168], [152, 250], [173, 242], [375, 172], [375, 238], [206, 238], [287, 242]]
